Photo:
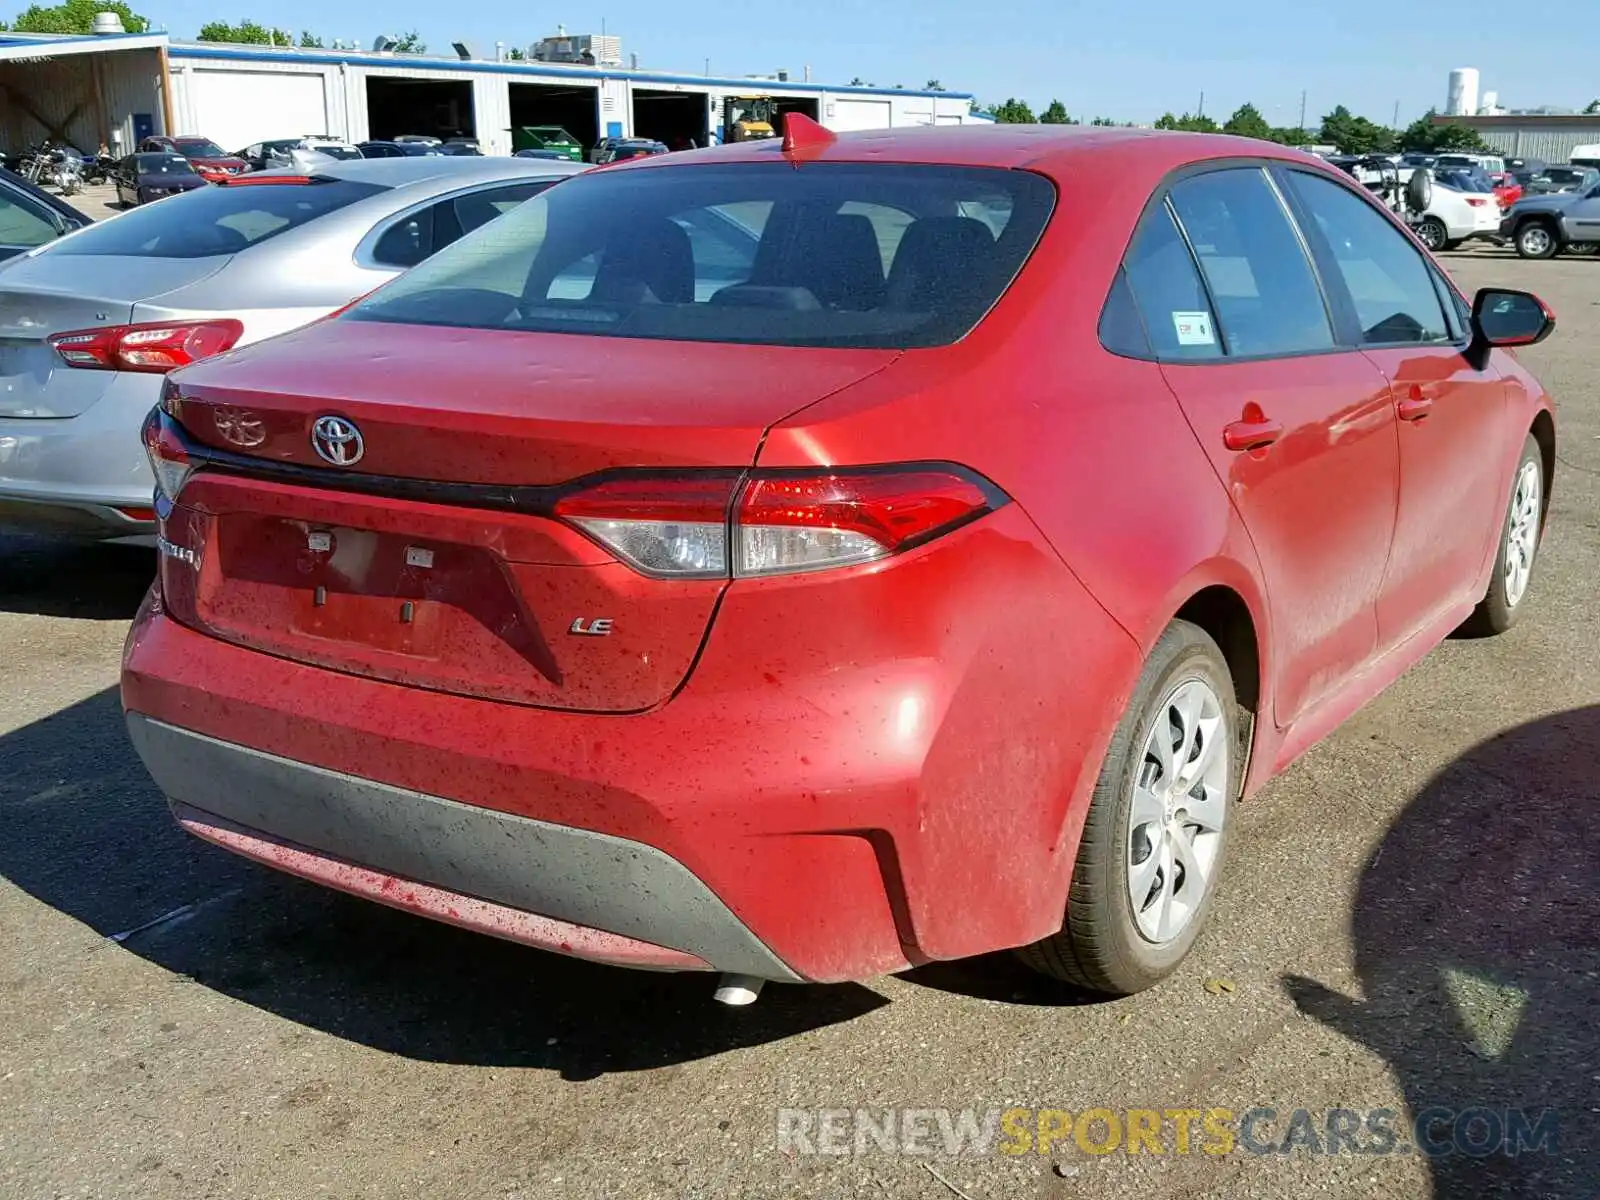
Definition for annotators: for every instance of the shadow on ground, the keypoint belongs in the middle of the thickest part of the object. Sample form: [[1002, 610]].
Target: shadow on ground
[[1477, 939], [85, 832], [68, 579]]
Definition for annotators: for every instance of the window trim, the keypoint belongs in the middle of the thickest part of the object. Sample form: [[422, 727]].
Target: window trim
[[1161, 196], [362, 256], [1328, 266]]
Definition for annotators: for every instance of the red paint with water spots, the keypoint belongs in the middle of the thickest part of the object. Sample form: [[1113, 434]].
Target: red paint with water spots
[[875, 765]]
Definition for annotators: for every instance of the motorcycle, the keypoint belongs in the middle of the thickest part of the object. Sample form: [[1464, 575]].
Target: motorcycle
[[65, 170], [98, 169]]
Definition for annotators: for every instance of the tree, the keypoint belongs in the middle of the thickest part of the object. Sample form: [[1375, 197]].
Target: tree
[[933, 85], [857, 82], [1055, 114], [1593, 109], [247, 33], [1356, 135], [1013, 112], [1291, 136], [77, 16], [1422, 134], [410, 43], [515, 54], [1247, 121], [1188, 123], [309, 40]]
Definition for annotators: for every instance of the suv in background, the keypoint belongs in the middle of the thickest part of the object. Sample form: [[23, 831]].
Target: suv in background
[[209, 160], [1544, 226]]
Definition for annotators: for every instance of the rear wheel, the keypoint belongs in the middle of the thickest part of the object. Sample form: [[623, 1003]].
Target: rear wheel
[[1519, 545], [1536, 240], [1153, 841], [1432, 233]]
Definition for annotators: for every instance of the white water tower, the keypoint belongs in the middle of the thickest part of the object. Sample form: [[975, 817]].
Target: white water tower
[[1463, 98]]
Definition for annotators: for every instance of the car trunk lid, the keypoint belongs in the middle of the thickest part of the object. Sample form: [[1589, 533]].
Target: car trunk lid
[[57, 293], [419, 563]]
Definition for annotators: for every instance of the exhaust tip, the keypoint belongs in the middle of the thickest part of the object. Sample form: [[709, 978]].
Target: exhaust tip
[[736, 991]]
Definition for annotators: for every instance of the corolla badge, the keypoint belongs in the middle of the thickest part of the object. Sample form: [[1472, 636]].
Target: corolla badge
[[240, 427], [338, 441]]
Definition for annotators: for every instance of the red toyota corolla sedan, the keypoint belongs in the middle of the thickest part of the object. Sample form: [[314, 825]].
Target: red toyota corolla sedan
[[805, 560]]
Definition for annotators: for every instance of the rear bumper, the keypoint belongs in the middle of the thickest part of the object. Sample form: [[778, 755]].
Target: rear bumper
[[597, 896], [834, 794], [70, 475]]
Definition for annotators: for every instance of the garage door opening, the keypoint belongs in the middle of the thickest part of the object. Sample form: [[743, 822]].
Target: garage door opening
[[676, 118], [427, 106], [788, 104], [575, 109]]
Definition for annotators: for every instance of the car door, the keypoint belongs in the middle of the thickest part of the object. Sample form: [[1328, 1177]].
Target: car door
[[1582, 218], [1451, 414], [1299, 428]]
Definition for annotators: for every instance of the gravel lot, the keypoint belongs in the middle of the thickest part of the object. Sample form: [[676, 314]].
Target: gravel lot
[[1409, 921]]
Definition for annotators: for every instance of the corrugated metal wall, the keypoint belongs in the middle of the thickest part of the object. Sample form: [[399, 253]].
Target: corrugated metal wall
[[1552, 145], [93, 94]]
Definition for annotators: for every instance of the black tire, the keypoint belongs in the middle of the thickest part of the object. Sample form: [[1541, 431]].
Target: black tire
[[1453, 244], [1496, 612], [1432, 233], [1536, 239], [1100, 947]]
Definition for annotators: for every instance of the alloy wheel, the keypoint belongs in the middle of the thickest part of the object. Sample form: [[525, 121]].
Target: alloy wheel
[[1535, 240], [1522, 531], [1175, 821]]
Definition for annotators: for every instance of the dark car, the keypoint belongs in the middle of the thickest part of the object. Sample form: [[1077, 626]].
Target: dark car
[[31, 216], [555, 154], [603, 148], [396, 149], [460, 146], [210, 161], [636, 148], [141, 178]]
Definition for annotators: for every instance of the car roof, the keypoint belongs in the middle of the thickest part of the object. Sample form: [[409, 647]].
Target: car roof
[[1059, 151], [403, 172]]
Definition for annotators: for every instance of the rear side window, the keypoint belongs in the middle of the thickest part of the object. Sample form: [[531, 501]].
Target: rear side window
[[1389, 284], [1268, 301], [216, 220], [832, 254], [23, 223], [1168, 292]]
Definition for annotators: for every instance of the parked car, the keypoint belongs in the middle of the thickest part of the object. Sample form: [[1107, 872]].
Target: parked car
[[210, 161], [398, 149], [1557, 180], [460, 149], [89, 325], [601, 153], [140, 178], [31, 217], [627, 148], [545, 154], [1463, 208], [419, 139], [922, 592], [266, 156], [1544, 226]]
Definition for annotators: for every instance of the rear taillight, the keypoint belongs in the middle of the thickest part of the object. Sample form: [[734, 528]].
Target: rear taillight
[[1477, 201], [169, 461], [155, 348], [779, 523]]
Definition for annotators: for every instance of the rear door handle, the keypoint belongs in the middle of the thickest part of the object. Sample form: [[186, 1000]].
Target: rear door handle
[[1251, 435]]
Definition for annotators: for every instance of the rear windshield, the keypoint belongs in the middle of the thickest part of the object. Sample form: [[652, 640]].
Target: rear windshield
[[829, 254], [215, 220]]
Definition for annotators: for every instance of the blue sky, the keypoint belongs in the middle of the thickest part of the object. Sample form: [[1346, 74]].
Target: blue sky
[[1129, 61]]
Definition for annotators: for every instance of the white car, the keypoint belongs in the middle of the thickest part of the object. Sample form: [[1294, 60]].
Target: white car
[[1455, 216]]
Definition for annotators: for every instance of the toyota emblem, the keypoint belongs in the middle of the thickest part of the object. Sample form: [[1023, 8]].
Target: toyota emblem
[[338, 441]]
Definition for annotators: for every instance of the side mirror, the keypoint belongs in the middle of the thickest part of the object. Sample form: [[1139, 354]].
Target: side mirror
[[1501, 317]]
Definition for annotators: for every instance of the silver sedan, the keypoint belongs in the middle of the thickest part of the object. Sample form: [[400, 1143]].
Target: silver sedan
[[89, 324]]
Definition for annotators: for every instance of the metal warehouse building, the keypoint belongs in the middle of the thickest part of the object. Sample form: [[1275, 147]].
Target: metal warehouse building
[[84, 89], [1531, 135]]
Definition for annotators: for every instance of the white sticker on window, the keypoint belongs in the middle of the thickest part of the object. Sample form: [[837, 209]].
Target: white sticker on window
[[1194, 329]]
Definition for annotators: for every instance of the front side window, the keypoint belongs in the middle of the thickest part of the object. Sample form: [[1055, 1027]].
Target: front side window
[[833, 254], [1389, 284], [1267, 297]]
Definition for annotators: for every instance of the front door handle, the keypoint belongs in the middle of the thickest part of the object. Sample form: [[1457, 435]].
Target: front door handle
[[1251, 434], [1417, 404]]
